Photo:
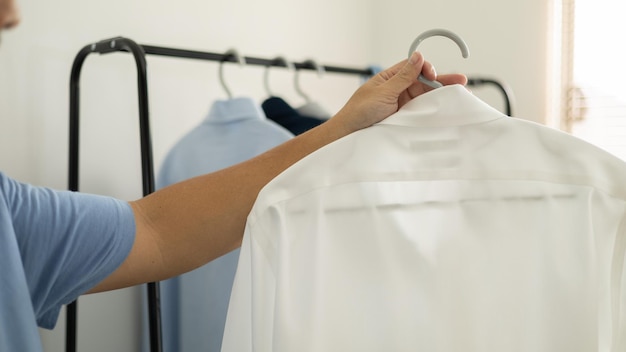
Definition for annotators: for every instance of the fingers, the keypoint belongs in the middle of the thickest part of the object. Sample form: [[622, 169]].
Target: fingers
[[405, 73], [393, 70], [401, 82], [428, 71], [454, 78]]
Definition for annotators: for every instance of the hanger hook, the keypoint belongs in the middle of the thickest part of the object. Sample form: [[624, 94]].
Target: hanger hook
[[296, 80], [438, 32], [278, 61], [234, 54]]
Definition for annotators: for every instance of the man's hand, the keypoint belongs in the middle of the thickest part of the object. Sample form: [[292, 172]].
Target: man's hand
[[389, 90]]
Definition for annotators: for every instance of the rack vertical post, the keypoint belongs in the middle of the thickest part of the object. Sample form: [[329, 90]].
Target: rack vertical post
[[103, 47]]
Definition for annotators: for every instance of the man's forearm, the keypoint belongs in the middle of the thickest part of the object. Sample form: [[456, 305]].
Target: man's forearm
[[187, 224], [204, 218]]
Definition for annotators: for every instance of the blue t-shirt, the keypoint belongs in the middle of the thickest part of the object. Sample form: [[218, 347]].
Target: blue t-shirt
[[54, 246]]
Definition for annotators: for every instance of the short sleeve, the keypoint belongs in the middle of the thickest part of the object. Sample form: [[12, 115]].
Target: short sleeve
[[68, 242]]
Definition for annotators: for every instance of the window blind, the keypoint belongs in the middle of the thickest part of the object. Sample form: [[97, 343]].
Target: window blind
[[594, 88]]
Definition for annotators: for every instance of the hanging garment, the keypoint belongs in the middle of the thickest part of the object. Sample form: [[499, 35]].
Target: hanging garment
[[313, 109], [283, 114], [446, 227], [194, 305], [235, 130]]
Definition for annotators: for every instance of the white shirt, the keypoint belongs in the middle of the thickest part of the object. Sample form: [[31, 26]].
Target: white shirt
[[447, 227]]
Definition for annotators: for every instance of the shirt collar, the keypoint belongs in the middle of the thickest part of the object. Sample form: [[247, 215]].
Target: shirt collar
[[234, 109], [450, 105]]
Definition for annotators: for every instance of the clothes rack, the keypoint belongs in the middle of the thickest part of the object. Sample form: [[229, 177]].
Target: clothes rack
[[504, 89], [139, 52]]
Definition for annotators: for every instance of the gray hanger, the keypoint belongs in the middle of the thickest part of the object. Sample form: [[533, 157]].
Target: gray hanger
[[296, 78], [279, 60], [232, 53], [440, 32]]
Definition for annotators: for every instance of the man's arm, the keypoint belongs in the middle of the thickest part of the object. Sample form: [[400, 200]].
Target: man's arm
[[188, 224]]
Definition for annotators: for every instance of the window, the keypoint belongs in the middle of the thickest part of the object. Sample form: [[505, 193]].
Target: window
[[593, 72]]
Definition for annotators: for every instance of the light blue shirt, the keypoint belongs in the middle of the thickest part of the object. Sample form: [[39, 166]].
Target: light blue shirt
[[194, 305], [54, 246]]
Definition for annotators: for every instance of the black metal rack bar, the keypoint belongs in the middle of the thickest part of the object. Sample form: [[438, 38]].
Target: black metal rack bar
[[103, 47], [201, 55], [501, 87], [139, 52]]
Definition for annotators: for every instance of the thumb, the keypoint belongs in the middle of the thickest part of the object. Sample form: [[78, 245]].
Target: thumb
[[407, 75]]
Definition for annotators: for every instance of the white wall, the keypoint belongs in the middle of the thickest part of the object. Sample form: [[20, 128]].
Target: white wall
[[507, 41], [35, 62]]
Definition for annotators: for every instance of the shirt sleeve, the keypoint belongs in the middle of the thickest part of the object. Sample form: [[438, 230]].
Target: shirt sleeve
[[68, 242]]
